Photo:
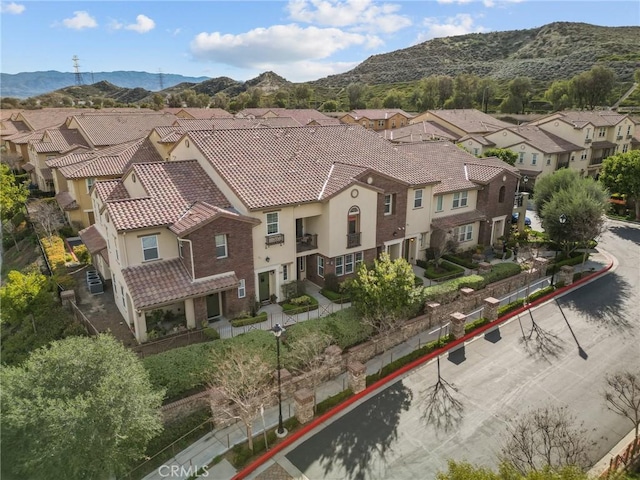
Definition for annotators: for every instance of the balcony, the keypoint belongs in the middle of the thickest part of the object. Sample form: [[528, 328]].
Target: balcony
[[308, 241], [629, 136], [595, 161], [275, 239], [562, 165], [353, 240], [587, 140], [619, 137]]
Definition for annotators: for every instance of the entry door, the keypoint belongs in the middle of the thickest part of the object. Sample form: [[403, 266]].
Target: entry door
[[263, 286], [213, 305]]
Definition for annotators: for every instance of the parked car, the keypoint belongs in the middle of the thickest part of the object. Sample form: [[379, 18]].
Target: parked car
[[514, 219]]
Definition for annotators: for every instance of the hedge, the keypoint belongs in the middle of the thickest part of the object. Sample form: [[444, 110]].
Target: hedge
[[335, 297], [241, 322], [330, 402], [241, 453], [451, 270], [575, 259], [448, 291], [500, 271], [309, 303], [510, 307], [469, 327], [465, 262]]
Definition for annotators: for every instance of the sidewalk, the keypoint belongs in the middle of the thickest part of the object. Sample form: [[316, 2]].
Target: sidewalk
[[215, 443]]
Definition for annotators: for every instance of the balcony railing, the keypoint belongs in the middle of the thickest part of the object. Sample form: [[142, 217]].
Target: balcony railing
[[587, 140], [275, 239], [562, 165], [595, 161], [307, 242], [619, 137], [353, 240], [629, 136]]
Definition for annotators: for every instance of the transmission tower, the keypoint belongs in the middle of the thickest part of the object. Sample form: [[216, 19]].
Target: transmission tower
[[161, 79], [76, 67]]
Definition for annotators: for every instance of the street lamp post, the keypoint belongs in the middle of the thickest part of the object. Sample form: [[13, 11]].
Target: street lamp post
[[278, 331], [562, 219]]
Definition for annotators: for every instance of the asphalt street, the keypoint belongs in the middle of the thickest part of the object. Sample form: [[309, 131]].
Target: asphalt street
[[559, 355]]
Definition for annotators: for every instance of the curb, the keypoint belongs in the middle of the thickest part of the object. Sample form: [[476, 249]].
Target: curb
[[410, 366]]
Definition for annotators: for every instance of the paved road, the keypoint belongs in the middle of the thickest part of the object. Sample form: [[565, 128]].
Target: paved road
[[492, 379]]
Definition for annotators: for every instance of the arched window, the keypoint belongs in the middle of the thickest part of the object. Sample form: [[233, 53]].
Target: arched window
[[353, 220], [503, 190]]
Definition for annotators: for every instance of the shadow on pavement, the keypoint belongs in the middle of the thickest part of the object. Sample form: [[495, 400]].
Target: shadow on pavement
[[441, 408], [626, 233], [602, 301], [358, 438], [457, 356], [493, 336]]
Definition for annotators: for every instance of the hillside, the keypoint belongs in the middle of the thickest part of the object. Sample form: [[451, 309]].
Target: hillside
[[552, 52], [31, 84]]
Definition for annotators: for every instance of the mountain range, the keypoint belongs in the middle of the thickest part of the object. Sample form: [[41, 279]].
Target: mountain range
[[556, 51]]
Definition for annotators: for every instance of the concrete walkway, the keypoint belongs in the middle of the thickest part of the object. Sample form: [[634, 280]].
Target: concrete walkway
[[218, 442]]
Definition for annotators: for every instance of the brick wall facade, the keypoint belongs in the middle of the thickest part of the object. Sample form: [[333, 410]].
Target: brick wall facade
[[329, 266], [394, 223], [488, 203]]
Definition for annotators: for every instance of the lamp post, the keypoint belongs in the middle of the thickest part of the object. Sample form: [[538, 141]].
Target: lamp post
[[562, 219], [277, 330]]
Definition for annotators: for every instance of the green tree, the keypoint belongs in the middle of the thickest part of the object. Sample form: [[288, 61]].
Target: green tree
[[593, 88], [546, 186], [486, 91], [330, 106], [504, 154], [158, 101], [220, 100], [467, 471], [559, 94], [12, 195], [621, 174], [302, 94], [356, 94], [82, 408], [465, 87], [393, 99], [385, 293]]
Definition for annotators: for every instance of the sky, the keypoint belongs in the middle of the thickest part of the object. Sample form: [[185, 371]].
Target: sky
[[300, 40]]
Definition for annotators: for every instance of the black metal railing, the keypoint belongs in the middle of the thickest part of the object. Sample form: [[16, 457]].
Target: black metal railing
[[274, 239], [308, 241], [353, 240]]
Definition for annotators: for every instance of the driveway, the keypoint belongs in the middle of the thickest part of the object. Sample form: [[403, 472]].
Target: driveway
[[529, 362]]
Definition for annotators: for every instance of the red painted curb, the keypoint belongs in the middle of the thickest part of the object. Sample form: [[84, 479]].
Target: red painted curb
[[410, 366]]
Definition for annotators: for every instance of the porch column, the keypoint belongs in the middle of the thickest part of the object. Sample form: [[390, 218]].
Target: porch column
[[141, 326], [190, 313]]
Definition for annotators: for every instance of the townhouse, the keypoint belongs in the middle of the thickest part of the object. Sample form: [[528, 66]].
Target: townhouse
[[302, 116], [378, 119], [599, 133], [425, 131]]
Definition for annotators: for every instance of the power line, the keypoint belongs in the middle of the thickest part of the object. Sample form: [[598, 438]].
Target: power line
[[76, 67]]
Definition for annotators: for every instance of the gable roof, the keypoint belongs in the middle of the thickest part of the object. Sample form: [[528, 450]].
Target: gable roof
[[377, 113], [419, 132], [171, 187], [295, 163], [58, 140], [200, 214], [303, 116], [45, 117], [104, 129], [197, 113], [542, 140], [469, 120], [582, 118]]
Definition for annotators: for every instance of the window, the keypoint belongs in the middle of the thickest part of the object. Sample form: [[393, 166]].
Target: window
[[476, 151], [388, 204], [548, 160], [584, 155], [588, 133], [534, 158], [272, 223], [348, 263], [380, 123], [370, 124], [625, 148], [521, 157], [629, 130], [320, 266], [180, 249], [573, 158], [460, 199], [353, 225], [439, 203], [393, 124], [285, 272], [221, 246], [417, 199], [90, 182], [339, 266], [124, 303], [602, 132], [150, 248], [302, 263], [358, 257], [501, 194], [463, 233], [242, 289]]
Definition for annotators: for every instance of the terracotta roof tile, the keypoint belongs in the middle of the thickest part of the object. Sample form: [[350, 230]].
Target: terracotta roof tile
[[201, 113], [419, 132], [66, 201], [470, 120], [58, 140], [542, 140], [378, 114], [110, 190], [302, 116], [451, 221], [104, 129], [597, 118], [93, 240], [172, 187], [164, 282]]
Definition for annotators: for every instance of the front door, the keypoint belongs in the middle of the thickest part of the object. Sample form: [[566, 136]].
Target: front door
[[263, 286], [213, 305]]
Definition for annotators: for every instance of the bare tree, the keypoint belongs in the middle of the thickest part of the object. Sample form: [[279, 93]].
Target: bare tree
[[305, 353], [243, 377], [10, 229], [47, 218], [545, 437], [622, 396], [441, 244]]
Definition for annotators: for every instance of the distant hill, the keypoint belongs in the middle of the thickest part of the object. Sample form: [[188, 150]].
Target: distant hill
[[555, 51], [31, 84]]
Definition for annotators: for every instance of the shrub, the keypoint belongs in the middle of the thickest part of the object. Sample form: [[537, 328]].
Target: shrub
[[575, 259], [301, 304], [54, 249], [82, 254], [422, 263], [335, 297], [500, 271], [332, 401], [448, 291], [241, 322], [346, 329], [446, 270], [459, 260], [510, 307], [211, 333], [469, 327], [417, 281], [331, 282]]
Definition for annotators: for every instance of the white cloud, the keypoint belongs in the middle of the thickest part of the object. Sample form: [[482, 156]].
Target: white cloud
[[80, 20], [461, 24], [276, 45], [143, 24], [12, 8], [115, 25], [486, 3], [359, 15], [175, 32]]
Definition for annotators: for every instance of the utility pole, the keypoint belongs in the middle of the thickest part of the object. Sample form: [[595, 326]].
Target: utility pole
[[161, 79], [76, 67]]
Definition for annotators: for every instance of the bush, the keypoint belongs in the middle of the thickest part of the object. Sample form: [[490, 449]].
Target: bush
[[211, 333], [445, 270], [510, 307], [422, 263], [241, 453], [241, 322], [540, 293], [500, 271], [82, 254], [329, 403], [459, 260], [575, 259], [346, 329], [331, 282], [334, 296], [305, 303], [448, 291], [469, 327]]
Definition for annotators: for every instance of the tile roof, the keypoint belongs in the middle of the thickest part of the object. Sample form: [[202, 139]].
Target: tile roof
[[542, 140], [603, 144], [66, 201], [199, 214], [303, 116], [102, 129], [201, 113], [28, 167], [47, 117], [164, 282], [446, 160], [58, 140], [598, 118], [93, 240], [46, 173], [110, 190], [106, 162], [451, 221], [11, 127], [377, 113], [172, 187], [419, 132], [269, 167], [470, 120]]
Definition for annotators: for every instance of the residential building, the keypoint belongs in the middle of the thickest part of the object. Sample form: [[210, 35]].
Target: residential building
[[419, 132], [303, 116], [378, 119]]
